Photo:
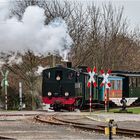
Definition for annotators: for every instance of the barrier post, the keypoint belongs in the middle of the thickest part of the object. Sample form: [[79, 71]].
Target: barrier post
[[107, 84], [90, 98], [105, 102], [90, 82], [107, 99]]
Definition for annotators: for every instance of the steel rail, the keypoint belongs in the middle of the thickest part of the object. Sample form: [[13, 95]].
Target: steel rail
[[38, 118], [97, 128], [119, 131], [73, 124], [6, 138]]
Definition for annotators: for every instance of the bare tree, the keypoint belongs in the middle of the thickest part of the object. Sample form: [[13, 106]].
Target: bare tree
[[78, 28], [18, 7], [101, 36], [53, 8], [26, 72], [26, 69], [108, 41]]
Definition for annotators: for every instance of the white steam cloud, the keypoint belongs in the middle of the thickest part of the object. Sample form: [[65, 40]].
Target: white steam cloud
[[31, 34]]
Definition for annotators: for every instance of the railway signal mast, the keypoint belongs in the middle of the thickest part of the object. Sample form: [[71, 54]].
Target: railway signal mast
[[107, 86], [4, 84], [91, 81]]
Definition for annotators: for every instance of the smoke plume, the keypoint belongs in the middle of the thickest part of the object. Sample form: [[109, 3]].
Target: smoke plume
[[32, 34]]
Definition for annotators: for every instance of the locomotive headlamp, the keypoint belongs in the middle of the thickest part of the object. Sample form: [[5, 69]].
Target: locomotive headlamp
[[49, 93], [66, 94], [58, 78]]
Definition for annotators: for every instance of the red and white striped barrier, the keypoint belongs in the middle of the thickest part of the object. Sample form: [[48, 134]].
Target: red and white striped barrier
[[105, 100]]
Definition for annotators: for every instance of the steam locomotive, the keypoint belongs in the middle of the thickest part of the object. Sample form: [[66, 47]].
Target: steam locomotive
[[66, 88]]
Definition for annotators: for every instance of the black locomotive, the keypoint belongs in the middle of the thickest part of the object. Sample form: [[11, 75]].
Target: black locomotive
[[66, 88]]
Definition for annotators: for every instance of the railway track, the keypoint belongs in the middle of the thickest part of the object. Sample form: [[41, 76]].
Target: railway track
[[55, 120]]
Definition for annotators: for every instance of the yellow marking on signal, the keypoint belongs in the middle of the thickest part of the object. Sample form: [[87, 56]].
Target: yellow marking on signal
[[114, 130], [106, 131]]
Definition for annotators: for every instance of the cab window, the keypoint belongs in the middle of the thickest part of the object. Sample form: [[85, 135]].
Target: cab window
[[47, 75], [70, 75]]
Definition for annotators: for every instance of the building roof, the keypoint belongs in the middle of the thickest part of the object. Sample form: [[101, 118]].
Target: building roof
[[126, 73]]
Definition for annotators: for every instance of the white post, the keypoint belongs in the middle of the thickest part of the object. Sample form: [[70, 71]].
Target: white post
[[107, 98], [90, 82], [20, 94], [5, 86], [90, 96]]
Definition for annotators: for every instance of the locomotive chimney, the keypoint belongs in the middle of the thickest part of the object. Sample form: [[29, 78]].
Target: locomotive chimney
[[69, 64]]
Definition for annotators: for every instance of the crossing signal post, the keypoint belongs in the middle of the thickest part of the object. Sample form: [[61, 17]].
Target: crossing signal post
[[107, 86], [4, 84], [90, 82]]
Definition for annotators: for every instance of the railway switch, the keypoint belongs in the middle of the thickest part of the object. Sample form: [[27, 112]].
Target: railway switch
[[111, 129]]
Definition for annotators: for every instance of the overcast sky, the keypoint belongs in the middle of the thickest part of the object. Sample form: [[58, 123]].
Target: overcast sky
[[131, 9]]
